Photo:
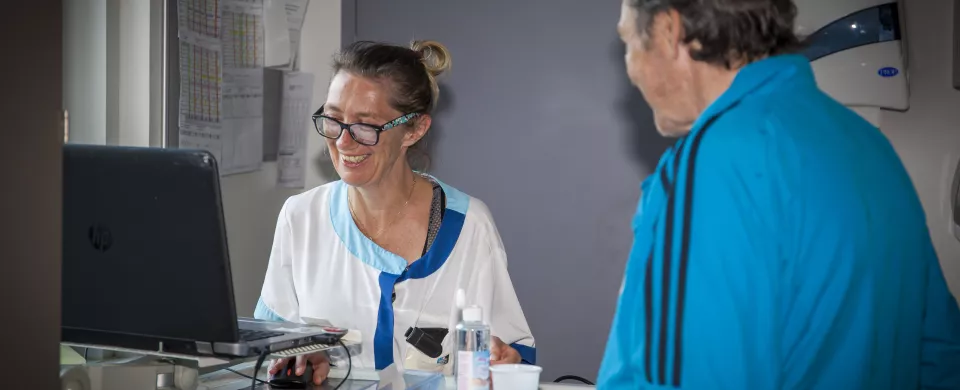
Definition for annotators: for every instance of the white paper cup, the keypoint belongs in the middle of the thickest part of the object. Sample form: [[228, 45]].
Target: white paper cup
[[515, 377]]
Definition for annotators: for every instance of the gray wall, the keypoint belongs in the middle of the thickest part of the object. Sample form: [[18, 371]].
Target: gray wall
[[539, 121]]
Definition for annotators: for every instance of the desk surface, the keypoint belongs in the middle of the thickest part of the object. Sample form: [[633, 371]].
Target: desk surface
[[214, 377], [368, 385], [225, 380]]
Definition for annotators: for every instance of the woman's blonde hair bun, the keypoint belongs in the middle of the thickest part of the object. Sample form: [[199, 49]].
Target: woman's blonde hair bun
[[435, 56]]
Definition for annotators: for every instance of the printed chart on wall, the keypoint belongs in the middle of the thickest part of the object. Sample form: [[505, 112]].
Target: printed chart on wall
[[295, 117], [243, 52], [221, 80], [200, 76]]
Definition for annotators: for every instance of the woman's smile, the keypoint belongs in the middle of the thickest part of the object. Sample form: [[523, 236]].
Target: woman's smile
[[354, 161]]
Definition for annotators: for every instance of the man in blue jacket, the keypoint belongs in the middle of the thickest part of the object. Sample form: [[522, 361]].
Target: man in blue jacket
[[780, 243]]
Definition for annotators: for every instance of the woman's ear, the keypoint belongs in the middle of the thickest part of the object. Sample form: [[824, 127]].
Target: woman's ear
[[418, 130]]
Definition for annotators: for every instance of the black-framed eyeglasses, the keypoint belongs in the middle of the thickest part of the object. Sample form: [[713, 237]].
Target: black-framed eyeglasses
[[363, 133]]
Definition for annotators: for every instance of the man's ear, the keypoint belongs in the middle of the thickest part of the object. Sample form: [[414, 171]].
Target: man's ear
[[668, 29], [420, 128]]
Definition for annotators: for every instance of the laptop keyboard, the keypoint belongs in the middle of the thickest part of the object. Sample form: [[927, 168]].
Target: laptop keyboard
[[252, 335]]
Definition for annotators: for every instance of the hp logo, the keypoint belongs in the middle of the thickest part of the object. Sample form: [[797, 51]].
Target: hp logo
[[100, 238]]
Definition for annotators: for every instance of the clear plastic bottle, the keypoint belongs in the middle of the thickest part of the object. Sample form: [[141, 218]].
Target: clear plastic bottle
[[473, 351], [460, 300]]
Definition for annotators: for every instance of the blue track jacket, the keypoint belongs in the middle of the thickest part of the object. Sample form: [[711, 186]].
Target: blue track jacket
[[782, 245]]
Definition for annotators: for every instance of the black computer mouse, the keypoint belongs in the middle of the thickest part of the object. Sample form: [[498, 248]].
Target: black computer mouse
[[288, 378]]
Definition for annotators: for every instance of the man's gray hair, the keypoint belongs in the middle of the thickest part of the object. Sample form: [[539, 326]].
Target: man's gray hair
[[730, 32]]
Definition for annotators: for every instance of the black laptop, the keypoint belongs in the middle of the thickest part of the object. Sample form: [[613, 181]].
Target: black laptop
[[145, 260]]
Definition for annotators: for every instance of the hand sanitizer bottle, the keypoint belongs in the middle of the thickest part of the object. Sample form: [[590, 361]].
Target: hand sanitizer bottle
[[473, 351]]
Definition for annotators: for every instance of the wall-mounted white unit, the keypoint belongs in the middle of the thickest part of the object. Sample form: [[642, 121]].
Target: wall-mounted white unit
[[857, 49]]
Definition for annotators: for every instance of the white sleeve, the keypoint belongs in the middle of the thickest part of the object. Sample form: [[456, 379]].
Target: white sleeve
[[501, 306], [278, 298]]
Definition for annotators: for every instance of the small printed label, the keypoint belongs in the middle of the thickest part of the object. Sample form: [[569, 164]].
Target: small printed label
[[473, 370], [888, 71]]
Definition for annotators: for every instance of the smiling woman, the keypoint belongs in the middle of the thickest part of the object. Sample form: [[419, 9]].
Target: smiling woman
[[385, 249], [376, 88]]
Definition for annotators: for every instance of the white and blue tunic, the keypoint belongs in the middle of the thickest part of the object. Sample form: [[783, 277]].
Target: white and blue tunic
[[322, 266]]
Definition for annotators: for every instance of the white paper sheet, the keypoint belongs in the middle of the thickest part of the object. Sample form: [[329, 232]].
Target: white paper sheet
[[296, 12], [284, 23], [242, 89], [242, 137], [295, 126], [193, 136], [277, 33], [200, 108]]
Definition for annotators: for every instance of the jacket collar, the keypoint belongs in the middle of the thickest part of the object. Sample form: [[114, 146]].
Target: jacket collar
[[768, 72]]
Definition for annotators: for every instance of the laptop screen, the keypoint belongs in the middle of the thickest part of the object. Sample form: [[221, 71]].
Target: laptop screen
[[144, 245]]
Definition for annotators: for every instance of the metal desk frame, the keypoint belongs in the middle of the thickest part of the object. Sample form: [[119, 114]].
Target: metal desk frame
[[152, 370]]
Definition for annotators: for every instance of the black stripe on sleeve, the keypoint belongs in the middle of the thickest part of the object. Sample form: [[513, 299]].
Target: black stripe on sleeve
[[685, 249], [648, 314], [666, 269]]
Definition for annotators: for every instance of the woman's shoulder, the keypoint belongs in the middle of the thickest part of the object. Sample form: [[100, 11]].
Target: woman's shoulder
[[310, 200], [470, 207], [478, 227]]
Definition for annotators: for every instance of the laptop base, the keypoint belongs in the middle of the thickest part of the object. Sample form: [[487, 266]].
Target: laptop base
[[156, 368]]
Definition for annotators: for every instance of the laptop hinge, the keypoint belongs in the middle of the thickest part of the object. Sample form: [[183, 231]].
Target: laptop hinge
[[204, 348]]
